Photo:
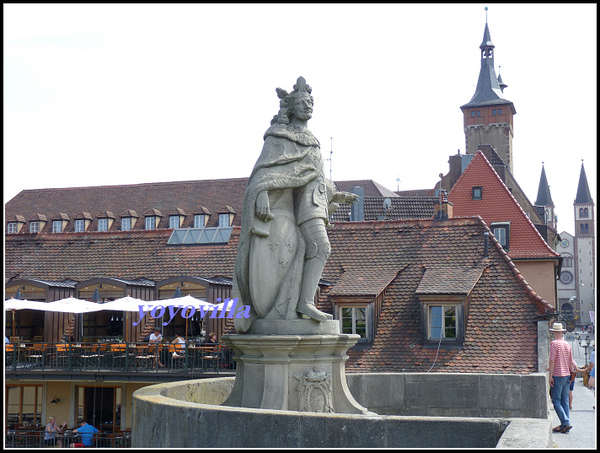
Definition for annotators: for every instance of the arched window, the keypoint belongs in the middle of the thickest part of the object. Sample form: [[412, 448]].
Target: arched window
[[586, 228], [585, 213]]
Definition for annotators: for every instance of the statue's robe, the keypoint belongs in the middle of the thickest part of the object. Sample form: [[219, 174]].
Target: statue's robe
[[290, 160]]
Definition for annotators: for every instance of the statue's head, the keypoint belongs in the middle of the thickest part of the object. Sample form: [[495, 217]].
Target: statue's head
[[300, 98]]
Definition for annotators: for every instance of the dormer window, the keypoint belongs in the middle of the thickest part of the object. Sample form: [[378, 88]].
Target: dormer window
[[15, 226], [82, 222], [153, 217], [59, 223], [357, 319], [105, 220], [79, 226], [224, 220], [501, 231], [200, 220], [175, 221], [226, 216], [34, 226], [57, 226], [128, 219], [442, 321], [444, 294], [150, 223], [125, 223]]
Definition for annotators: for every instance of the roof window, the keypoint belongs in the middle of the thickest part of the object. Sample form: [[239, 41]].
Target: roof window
[[200, 236], [477, 193]]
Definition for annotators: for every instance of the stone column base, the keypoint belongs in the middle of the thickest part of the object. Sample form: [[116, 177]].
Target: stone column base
[[292, 372]]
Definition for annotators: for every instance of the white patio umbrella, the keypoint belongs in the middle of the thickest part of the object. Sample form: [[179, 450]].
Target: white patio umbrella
[[72, 305], [23, 304]]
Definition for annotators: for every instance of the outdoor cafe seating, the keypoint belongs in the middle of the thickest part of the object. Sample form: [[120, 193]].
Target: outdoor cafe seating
[[129, 357]]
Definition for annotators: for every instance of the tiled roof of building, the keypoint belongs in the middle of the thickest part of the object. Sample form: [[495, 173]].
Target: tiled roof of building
[[124, 255], [157, 199], [440, 279], [497, 205], [364, 280], [371, 188], [183, 198], [501, 334], [394, 260], [401, 208]]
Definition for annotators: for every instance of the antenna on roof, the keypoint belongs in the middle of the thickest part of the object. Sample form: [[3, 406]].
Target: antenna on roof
[[330, 160], [398, 183]]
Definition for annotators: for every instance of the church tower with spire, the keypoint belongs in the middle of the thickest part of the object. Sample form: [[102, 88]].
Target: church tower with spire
[[488, 116], [543, 203], [585, 247]]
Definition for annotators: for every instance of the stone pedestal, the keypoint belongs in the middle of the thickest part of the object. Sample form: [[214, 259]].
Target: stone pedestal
[[288, 371]]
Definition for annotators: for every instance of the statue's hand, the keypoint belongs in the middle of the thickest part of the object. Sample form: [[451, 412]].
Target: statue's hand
[[345, 197], [263, 211]]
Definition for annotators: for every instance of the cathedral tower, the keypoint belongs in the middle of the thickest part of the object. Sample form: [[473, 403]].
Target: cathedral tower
[[488, 117], [585, 248]]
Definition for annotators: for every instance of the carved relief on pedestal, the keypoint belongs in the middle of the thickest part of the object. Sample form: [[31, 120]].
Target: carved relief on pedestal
[[314, 391]]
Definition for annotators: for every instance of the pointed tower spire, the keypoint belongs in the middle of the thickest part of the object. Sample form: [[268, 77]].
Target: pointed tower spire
[[543, 196], [544, 204], [488, 116], [583, 190]]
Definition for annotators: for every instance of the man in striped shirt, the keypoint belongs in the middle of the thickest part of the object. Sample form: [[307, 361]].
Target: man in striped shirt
[[559, 369]]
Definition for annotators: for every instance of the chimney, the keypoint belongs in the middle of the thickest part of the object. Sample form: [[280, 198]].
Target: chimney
[[357, 210], [444, 209], [486, 242]]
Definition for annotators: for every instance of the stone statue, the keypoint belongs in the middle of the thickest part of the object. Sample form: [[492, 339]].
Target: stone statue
[[283, 243]]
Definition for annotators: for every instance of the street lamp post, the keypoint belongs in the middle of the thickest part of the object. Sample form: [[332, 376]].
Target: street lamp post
[[585, 344]]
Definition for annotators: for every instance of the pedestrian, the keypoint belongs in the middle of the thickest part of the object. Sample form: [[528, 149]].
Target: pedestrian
[[560, 366], [87, 435], [156, 338], [591, 368], [50, 432]]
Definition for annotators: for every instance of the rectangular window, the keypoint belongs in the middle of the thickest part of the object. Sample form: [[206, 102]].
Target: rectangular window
[[174, 221], [442, 322], [23, 405], [102, 224], [150, 223], [199, 221], [472, 113], [499, 111], [57, 226], [501, 231], [493, 111], [34, 227], [79, 226], [477, 193], [478, 113], [126, 224], [354, 321], [12, 227], [224, 220]]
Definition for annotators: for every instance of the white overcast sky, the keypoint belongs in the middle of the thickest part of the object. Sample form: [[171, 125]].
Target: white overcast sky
[[104, 94]]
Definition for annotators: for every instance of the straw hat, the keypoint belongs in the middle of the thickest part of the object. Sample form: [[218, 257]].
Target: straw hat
[[558, 327]]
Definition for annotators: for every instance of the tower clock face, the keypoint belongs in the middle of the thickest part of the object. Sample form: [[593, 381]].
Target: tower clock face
[[565, 243]]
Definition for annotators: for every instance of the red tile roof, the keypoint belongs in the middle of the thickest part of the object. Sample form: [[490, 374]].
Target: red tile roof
[[395, 256], [497, 205], [501, 333]]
